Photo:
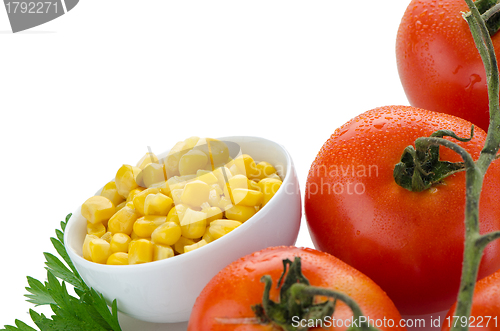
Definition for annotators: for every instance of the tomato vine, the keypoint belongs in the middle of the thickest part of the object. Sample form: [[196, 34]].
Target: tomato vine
[[411, 162]]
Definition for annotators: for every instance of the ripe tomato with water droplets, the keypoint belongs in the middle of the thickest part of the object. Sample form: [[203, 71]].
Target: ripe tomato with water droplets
[[410, 243], [438, 63], [225, 303]]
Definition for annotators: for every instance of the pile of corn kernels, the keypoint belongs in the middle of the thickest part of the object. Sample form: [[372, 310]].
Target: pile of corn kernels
[[161, 208]]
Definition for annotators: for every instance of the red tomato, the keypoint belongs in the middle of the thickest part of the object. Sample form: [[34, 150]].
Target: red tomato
[[438, 63], [410, 243], [228, 297], [485, 313]]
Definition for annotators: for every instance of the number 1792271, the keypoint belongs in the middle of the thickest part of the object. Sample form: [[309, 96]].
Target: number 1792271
[[23, 7], [479, 321]]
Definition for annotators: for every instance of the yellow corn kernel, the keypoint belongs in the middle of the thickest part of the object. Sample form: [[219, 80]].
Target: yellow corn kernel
[[174, 156], [181, 243], [192, 161], [195, 193], [237, 181], [215, 195], [119, 242], [140, 251], [166, 234], [177, 213], [191, 141], [239, 213], [269, 187], [123, 221], [110, 191], [207, 177], [148, 158], [121, 205], [252, 185], [138, 238], [86, 248], [97, 209], [107, 236], [223, 175], [177, 196], [118, 258], [99, 250], [153, 173], [97, 229], [189, 248], [207, 237], [265, 169], [193, 224], [246, 165], [213, 213], [246, 197], [192, 216], [125, 179], [161, 252], [235, 170], [216, 151], [130, 205], [225, 203], [133, 193], [176, 183], [163, 187], [140, 198], [145, 225], [157, 204], [219, 228]]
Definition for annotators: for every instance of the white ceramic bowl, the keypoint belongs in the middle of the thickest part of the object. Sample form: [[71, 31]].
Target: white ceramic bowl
[[165, 291]]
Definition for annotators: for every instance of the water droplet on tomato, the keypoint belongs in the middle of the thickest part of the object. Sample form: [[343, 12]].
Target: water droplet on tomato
[[473, 79], [457, 69], [249, 269]]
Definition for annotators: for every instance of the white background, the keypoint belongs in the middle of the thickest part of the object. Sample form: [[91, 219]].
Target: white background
[[87, 92]]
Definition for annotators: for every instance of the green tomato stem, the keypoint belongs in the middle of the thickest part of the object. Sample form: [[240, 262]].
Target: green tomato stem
[[474, 242], [297, 302], [490, 12], [472, 251], [301, 290], [484, 240], [420, 167], [483, 5]]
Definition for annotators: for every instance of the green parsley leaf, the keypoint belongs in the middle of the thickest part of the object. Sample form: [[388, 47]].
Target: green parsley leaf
[[39, 293], [87, 312], [19, 326], [58, 269]]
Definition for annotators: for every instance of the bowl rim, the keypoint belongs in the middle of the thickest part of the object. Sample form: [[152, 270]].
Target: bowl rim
[[182, 258]]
